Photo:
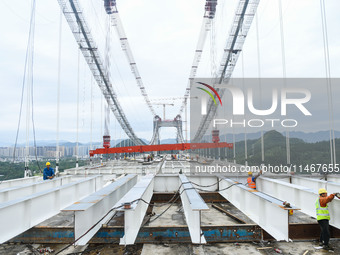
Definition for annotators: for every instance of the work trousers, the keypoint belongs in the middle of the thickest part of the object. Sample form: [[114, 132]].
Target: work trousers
[[325, 235]]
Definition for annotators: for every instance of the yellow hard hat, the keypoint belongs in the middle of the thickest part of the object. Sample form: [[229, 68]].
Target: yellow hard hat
[[48, 163], [250, 173], [322, 190]]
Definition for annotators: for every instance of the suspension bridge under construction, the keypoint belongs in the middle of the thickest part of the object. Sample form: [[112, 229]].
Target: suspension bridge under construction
[[186, 197]]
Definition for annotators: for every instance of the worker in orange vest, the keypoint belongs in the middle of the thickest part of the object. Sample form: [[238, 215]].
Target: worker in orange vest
[[251, 179]]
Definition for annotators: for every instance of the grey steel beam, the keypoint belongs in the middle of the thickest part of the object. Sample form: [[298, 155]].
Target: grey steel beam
[[19, 215], [193, 204], [91, 209], [134, 214]]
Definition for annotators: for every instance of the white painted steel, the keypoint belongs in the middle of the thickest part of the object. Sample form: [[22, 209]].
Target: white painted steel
[[91, 209], [313, 184], [19, 182], [264, 210], [204, 180], [299, 196], [333, 187], [19, 215], [333, 178], [31, 188], [193, 204], [166, 183], [133, 217]]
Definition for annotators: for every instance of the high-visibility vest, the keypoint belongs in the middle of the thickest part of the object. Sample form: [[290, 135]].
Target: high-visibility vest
[[251, 184], [322, 213]]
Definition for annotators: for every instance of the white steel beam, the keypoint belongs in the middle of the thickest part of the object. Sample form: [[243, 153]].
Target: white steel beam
[[29, 189], [19, 215], [134, 216], [313, 184], [193, 204], [19, 182], [166, 183], [266, 211], [91, 209], [333, 178], [300, 196]]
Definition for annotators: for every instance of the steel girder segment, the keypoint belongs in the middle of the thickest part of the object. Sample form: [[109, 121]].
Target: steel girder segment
[[19, 182], [19, 215], [83, 36], [333, 178], [309, 182], [29, 189], [91, 209], [133, 216], [266, 211], [300, 196], [330, 186], [193, 204]]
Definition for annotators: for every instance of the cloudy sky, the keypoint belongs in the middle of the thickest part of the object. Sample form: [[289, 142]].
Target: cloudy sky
[[163, 37]]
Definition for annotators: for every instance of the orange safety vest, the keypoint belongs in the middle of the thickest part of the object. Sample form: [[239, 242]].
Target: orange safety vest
[[251, 184]]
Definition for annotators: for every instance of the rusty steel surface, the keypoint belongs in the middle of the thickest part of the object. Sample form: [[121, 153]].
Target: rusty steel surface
[[178, 234]]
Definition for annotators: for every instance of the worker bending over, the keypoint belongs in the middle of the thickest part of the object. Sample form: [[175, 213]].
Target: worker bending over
[[48, 172], [323, 217], [251, 180]]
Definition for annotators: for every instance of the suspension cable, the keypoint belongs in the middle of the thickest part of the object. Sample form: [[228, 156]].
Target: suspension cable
[[58, 89], [328, 81], [245, 126], [284, 74], [32, 95], [260, 83], [78, 92]]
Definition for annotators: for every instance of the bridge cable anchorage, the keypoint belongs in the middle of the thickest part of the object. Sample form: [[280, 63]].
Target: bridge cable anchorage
[[243, 19], [76, 21], [112, 11], [209, 15], [328, 81]]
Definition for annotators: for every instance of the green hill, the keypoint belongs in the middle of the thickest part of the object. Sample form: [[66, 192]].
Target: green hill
[[302, 153]]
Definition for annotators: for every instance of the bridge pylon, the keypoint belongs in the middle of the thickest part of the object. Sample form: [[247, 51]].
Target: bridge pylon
[[159, 123]]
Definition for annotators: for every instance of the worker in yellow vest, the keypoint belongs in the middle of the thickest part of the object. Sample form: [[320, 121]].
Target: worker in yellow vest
[[251, 179], [323, 217]]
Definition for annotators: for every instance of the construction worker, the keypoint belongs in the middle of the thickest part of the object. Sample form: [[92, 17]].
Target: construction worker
[[323, 217], [251, 179], [48, 172]]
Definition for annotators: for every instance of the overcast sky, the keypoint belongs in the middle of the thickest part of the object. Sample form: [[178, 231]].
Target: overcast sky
[[163, 37]]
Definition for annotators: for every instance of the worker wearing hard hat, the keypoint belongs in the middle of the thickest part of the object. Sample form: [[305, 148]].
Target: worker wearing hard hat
[[323, 217], [251, 179], [48, 172]]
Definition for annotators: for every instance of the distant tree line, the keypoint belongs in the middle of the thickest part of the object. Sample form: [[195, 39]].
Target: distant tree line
[[10, 170]]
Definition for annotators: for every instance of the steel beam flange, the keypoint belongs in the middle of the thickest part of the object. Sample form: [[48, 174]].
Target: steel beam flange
[[268, 212], [193, 204], [91, 209], [134, 214], [300, 196]]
